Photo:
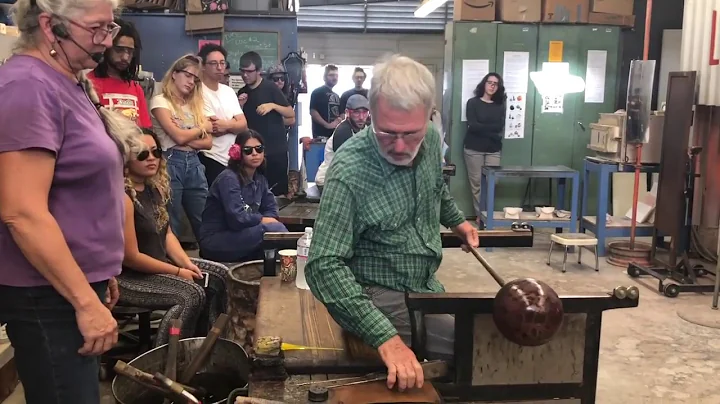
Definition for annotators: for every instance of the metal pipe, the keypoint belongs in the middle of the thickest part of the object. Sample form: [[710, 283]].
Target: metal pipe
[[638, 153], [716, 293], [648, 22], [636, 192]]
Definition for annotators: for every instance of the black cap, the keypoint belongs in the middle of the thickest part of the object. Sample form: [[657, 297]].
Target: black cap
[[318, 394]]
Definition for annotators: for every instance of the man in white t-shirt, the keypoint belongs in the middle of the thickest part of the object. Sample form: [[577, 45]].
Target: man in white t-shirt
[[222, 108]]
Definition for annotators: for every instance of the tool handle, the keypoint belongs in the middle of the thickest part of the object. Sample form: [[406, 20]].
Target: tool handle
[[172, 351], [144, 378], [205, 349], [487, 266], [252, 400]]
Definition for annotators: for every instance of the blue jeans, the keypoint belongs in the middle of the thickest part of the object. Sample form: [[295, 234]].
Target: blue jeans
[[189, 189], [42, 328]]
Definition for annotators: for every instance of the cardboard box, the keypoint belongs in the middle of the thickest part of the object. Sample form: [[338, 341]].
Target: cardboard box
[[612, 19], [569, 11], [474, 10], [520, 10], [619, 7]]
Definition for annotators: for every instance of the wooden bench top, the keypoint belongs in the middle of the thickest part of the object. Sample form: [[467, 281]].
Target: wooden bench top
[[298, 318]]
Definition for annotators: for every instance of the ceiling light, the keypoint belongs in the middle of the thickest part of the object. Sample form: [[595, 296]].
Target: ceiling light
[[427, 7], [555, 79]]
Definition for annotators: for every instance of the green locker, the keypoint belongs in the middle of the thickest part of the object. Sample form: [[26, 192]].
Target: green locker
[[549, 138], [463, 41], [597, 41], [562, 138], [517, 152]]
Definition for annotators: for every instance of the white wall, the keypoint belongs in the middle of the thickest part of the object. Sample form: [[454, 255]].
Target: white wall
[[669, 61], [365, 49]]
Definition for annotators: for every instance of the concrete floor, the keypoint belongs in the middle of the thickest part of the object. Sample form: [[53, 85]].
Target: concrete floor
[[648, 354]]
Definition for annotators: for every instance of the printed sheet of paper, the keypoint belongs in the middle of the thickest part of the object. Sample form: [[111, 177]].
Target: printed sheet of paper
[[516, 70], [552, 104], [473, 71], [595, 76], [515, 116]]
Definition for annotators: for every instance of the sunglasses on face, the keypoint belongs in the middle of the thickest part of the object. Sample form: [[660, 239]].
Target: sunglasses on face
[[247, 150], [145, 154], [277, 78]]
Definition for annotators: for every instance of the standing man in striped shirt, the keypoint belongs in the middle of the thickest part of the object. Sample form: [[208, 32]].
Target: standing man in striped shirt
[[377, 233]]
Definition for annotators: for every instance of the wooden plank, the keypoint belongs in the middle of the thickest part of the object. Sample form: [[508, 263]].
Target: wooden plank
[[298, 318], [499, 361]]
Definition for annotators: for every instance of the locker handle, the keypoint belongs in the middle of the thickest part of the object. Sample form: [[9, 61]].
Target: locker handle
[[581, 126]]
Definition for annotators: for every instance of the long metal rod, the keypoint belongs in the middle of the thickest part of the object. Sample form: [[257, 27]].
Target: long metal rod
[[716, 293], [487, 266]]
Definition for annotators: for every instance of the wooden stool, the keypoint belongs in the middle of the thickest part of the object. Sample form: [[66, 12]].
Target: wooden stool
[[580, 240]]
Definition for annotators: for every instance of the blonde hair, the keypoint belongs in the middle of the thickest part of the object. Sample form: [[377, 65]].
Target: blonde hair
[[195, 101], [160, 182], [25, 16], [403, 83]]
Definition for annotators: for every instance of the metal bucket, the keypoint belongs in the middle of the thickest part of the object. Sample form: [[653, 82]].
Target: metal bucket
[[243, 290], [228, 368]]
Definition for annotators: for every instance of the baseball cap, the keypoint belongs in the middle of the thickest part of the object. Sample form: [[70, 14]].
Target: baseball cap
[[276, 69], [357, 101]]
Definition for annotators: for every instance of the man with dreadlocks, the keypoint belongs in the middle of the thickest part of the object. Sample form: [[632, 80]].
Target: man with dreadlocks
[[113, 78]]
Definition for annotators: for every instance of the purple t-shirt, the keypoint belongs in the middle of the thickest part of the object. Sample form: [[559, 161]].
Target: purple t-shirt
[[43, 109]]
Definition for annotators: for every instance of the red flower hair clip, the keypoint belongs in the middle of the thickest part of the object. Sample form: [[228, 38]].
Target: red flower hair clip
[[235, 152]]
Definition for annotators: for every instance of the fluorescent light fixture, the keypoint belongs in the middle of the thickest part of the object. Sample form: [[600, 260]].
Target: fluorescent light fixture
[[555, 79], [427, 7]]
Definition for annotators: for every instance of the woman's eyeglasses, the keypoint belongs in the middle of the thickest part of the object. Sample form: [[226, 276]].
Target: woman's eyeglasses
[[189, 75], [247, 150], [145, 154], [277, 78]]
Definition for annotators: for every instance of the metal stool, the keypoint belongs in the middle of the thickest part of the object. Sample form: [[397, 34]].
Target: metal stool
[[580, 240]]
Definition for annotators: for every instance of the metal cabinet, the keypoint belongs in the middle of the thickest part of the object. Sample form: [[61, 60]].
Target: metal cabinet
[[550, 138]]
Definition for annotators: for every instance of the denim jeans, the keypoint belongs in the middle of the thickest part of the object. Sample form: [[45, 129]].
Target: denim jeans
[[189, 189], [43, 330]]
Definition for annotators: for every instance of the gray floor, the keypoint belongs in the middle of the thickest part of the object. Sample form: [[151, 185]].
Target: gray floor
[[648, 354]]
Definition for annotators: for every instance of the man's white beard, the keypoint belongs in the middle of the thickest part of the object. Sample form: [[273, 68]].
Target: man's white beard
[[406, 162]]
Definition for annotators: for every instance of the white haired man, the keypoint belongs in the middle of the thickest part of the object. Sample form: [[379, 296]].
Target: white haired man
[[377, 233]]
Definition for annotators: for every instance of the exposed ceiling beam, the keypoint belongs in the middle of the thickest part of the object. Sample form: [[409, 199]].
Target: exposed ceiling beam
[[310, 3]]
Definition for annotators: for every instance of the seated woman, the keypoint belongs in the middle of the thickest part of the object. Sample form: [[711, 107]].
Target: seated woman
[[240, 207], [157, 274]]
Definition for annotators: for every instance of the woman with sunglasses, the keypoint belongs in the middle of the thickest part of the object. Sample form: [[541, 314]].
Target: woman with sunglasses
[[157, 273], [179, 119], [240, 206]]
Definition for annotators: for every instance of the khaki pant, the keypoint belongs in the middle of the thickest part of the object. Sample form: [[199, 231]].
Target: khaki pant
[[474, 162]]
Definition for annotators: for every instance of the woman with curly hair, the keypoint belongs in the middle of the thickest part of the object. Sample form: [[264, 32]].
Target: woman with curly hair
[[157, 273], [240, 206], [179, 120]]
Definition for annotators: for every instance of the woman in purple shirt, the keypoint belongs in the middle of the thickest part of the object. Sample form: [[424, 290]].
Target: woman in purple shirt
[[61, 199]]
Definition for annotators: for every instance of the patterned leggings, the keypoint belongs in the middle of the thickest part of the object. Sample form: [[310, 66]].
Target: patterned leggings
[[197, 307]]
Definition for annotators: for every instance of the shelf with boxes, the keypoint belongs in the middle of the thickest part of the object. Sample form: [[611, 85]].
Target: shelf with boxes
[[601, 12]]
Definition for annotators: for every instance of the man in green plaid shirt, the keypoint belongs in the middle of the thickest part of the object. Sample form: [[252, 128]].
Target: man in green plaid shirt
[[377, 234]]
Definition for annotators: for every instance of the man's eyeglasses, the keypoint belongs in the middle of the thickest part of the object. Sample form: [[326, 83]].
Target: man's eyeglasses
[[123, 50], [247, 150], [99, 34], [398, 136], [244, 71], [217, 64], [145, 154]]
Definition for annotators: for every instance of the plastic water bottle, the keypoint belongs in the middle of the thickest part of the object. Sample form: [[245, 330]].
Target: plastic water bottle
[[303, 247]]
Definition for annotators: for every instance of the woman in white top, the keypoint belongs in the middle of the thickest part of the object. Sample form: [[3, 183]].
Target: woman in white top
[[180, 121]]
